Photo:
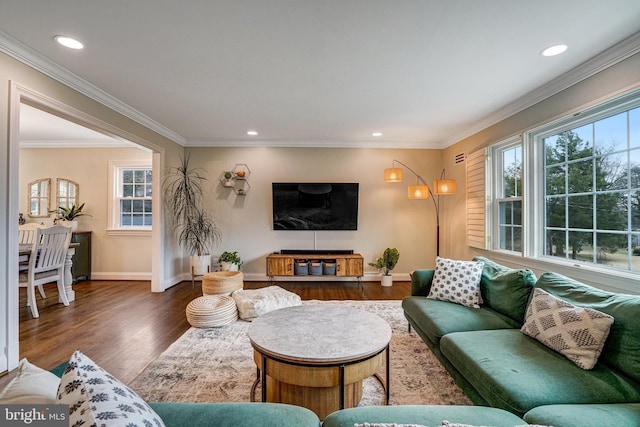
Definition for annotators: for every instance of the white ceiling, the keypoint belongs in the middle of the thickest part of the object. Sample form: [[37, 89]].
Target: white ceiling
[[425, 73]]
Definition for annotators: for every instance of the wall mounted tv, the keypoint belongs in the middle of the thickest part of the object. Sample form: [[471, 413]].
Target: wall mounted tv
[[315, 206]]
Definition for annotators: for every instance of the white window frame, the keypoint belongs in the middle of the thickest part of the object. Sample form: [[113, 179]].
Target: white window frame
[[533, 209], [115, 186], [496, 190]]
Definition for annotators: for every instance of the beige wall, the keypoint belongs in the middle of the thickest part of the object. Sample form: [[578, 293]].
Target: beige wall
[[113, 256], [386, 217]]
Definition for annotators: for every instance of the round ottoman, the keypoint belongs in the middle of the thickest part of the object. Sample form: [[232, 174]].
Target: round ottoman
[[211, 310], [221, 282]]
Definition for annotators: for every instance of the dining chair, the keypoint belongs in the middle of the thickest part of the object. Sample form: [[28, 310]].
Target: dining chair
[[26, 236], [46, 263]]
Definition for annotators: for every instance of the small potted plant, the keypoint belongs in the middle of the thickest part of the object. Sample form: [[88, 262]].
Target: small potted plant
[[229, 261], [67, 215], [385, 264]]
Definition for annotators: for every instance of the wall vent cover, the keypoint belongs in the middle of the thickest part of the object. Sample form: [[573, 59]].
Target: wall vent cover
[[459, 158]]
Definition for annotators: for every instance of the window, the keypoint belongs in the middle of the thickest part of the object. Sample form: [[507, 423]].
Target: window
[[569, 191], [39, 195], [132, 196], [508, 195], [67, 193], [591, 190]]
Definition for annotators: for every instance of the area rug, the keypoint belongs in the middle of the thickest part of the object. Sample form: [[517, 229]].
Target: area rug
[[216, 365]]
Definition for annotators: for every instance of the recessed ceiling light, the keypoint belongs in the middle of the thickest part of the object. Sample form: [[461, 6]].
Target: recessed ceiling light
[[252, 133], [69, 42], [554, 50], [376, 134]]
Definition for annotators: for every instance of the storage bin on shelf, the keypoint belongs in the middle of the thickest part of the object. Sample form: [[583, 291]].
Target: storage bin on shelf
[[315, 268], [301, 267], [329, 268]]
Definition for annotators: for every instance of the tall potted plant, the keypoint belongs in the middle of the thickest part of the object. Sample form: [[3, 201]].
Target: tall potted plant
[[196, 229], [385, 264]]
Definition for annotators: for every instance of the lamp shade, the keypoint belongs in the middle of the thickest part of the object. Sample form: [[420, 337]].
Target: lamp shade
[[418, 191], [393, 175], [444, 186]]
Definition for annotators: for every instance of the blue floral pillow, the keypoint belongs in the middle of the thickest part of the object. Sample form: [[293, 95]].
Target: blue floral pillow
[[97, 398]]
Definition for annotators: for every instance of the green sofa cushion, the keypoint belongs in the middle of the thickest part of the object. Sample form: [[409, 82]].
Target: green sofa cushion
[[515, 372], [234, 414], [438, 318], [428, 415], [622, 348], [421, 282], [505, 289], [620, 414]]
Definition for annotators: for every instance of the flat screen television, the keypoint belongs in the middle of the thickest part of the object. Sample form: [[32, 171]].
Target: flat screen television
[[315, 206]]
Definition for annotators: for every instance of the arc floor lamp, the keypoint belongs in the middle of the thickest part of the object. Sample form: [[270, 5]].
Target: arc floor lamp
[[422, 190]]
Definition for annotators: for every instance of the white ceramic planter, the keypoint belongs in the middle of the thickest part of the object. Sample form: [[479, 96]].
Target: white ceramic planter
[[200, 264], [73, 225], [227, 266], [386, 280]]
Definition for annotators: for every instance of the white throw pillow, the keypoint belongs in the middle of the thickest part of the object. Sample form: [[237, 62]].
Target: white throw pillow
[[577, 333], [457, 281], [32, 385], [97, 398]]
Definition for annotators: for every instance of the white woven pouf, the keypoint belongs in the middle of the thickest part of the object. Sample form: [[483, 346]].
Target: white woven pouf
[[211, 310], [253, 303], [222, 282]]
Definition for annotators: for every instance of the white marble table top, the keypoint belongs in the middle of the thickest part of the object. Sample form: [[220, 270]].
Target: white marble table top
[[319, 334]]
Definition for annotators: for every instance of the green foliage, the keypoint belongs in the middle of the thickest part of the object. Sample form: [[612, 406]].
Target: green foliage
[[69, 214], [196, 230], [388, 261], [573, 167], [230, 257]]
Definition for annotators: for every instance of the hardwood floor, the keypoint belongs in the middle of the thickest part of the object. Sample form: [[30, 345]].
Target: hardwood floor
[[122, 326]]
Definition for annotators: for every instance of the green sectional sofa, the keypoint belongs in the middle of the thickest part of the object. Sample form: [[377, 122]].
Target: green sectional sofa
[[499, 366]]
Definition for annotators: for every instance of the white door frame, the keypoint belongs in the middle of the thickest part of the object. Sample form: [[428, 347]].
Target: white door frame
[[19, 94]]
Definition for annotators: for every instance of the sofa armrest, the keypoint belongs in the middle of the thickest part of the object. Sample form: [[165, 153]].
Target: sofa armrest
[[421, 282]]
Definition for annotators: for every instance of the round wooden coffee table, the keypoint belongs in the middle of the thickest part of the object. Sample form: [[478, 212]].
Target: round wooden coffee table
[[316, 356]]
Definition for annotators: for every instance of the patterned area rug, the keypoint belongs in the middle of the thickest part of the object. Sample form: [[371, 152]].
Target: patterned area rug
[[216, 365]]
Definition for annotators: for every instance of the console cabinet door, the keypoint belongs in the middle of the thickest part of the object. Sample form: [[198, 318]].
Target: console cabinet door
[[279, 266], [349, 267]]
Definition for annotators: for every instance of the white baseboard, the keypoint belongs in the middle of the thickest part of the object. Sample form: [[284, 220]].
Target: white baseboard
[[120, 276]]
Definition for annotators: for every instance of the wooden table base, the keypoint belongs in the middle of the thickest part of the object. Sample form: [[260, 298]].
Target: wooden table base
[[321, 388]]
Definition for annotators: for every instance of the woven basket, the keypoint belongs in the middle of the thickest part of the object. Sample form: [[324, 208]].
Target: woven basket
[[221, 282], [211, 311]]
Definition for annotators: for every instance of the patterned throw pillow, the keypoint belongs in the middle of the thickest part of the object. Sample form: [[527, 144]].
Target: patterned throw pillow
[[457, 281], [97, 398], [577, 333]]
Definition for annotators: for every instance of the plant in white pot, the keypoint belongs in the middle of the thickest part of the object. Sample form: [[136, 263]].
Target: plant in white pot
[[67, 216], [196, 230], [385, 264], [230, 261]]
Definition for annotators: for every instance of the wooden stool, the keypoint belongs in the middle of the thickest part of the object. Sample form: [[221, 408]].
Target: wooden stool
[[211, 310], [221, 282]]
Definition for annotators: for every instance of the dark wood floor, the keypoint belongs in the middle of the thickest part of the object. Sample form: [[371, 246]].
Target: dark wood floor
[[122, 326]]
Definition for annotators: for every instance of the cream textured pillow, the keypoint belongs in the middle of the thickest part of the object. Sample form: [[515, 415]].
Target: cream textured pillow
[[32, 385], [97, 398], [457, 281], [577, 333]]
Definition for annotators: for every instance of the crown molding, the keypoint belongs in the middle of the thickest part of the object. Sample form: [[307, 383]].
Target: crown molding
[[618, 53], [76, 144], [35, 60], [278, 143]]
